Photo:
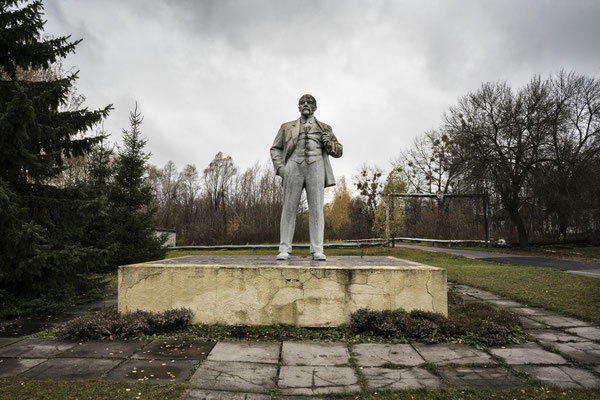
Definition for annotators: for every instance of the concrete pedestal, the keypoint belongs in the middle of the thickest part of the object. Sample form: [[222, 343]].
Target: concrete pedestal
[[258, 290]]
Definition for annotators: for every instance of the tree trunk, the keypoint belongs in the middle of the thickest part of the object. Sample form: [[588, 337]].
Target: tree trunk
[[521, 230], [511, 204]]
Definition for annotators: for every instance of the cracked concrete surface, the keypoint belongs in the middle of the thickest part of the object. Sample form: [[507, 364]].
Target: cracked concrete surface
[[312, 353], [376, 355], [562, 376], [309, 380], [400, 379], [528, 353], [551, 335], [36, 348], [241, 377], [480, 377], [583, 352], [257, 352], [242, 290], [452, 353]]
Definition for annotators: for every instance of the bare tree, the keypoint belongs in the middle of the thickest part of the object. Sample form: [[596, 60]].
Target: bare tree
[[574, 128], [500, 137]]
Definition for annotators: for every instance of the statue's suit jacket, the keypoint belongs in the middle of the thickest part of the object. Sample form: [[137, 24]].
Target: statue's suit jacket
[[287, 137]]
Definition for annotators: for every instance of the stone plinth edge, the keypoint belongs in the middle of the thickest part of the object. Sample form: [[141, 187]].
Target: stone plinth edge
[[238, 290]]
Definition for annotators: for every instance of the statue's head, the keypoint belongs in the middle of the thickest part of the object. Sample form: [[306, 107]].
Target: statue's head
[[307, 105]]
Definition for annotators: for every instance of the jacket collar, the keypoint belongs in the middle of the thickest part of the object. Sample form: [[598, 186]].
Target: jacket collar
[[316, 127]]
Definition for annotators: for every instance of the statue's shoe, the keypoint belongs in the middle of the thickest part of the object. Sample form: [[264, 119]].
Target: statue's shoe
[[319, 257], [283, 256]]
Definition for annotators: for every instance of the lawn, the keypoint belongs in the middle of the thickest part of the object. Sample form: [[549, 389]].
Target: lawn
[[528, 393], [569, 294], [569, 252], [18, 388]]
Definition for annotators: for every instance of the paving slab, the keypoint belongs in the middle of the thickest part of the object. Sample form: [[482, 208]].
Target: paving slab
[[15, 366], [399, 379], [5, 341], [460, 287], [528, 323], [452, 353], [480, 378], [25, 327], [551, 335], [36, 348], [528, 353], [592, 273], [153, 371], [260, 352], [175, 349], [483, 295], [562, 376], [506, 303], [104, 349], [583, 352], [597, 368], [71, 369], [559, 321], [199, 394], [310, 380], [531, 311], [378, 354], [235, 376], [467, 299], [309, 353], [588, 332]]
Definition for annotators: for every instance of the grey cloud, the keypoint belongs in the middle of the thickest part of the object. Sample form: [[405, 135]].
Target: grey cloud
[[222, 75]]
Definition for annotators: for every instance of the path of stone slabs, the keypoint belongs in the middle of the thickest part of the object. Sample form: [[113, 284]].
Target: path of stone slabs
[[565, 353]]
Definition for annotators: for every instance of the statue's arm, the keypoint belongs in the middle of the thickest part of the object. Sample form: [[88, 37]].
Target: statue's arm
[[277, 151], [333, 147]]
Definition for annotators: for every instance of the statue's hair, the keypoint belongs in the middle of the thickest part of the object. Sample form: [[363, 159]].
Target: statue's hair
[[308, 95]]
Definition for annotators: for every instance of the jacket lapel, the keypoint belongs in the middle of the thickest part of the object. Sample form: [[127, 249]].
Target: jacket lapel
[[316, 127], [295, 131]]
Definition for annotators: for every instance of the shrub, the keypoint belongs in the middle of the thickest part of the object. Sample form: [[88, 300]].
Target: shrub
[[111, 324], [477, 323]]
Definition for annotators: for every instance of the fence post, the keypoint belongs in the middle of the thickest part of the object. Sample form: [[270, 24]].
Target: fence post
[[387, 220], [392, 205], [486, 217]]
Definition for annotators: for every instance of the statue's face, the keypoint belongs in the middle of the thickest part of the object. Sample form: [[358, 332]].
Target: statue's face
[[307, 106]]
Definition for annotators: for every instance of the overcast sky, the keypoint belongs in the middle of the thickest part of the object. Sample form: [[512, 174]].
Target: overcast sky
[[223, 75]]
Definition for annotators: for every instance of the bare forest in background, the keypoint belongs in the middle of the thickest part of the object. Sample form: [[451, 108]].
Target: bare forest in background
[[222, 205], [533, 152]]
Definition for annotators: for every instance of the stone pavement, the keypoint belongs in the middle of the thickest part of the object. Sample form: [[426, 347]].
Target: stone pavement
[[564, 352]]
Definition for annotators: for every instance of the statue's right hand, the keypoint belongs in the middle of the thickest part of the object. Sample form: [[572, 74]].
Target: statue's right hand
[[281, 171]]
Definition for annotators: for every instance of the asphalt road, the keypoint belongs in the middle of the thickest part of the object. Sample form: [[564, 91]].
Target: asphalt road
[[590, 269]]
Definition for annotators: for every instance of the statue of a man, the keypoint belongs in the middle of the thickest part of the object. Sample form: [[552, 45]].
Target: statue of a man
[[300, 155]]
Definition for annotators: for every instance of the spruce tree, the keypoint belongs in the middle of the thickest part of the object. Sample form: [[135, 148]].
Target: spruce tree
[[40, 238], [133, 224]]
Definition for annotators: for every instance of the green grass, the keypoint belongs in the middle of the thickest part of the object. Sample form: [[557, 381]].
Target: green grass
[[19, 388], [569, 252], [555, 290], [574, 295], [527, 393]]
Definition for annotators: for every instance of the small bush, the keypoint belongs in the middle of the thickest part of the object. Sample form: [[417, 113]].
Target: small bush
[[111, 324], [476, 323]]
